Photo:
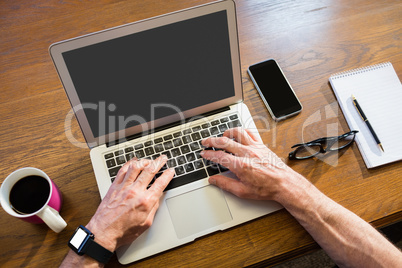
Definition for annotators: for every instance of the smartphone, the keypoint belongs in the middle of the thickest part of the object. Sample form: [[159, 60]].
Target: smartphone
[[274, 89]]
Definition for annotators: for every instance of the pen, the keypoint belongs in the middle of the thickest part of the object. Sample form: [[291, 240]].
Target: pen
[[363, 116]]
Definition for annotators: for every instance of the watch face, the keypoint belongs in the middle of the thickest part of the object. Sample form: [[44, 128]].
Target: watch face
[[78, 238]]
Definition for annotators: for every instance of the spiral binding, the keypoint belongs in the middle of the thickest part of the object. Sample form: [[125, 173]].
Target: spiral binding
[[359, 70]]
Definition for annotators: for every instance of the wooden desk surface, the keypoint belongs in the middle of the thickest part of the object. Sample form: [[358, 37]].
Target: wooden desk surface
[[310, 39]]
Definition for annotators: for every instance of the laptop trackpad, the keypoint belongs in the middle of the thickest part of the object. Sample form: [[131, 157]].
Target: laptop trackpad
[[198, 210]]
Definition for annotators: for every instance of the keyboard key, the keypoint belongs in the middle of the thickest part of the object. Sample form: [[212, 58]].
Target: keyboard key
[[213, 170], [155, 156], [177, 142], [197, 128], [214, 130], [148, 143], [224, 120], [158, 148], [205, 133], [120, 160], [185, 149], [140, 154], [113, 171], [187, 131], [206, 125], [186, 139], [186, 178], [179, 170], [198, 164], [138, 146], [181, 160], [119, 152], [129, 149], [215, 122], [168, 137], [168, 145], [110, 163], [223, 127], [175, 152], [194, 146], [196, 136], [158, 140], [190, 157], [233, 117], [149, 151], [189, 167], [129, 156], [177, 134], [197, 154], [171, 163], [109, 155]]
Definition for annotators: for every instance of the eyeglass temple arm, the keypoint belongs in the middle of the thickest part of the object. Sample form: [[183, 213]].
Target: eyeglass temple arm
[[317, 141], [297, 145], [325, 139]]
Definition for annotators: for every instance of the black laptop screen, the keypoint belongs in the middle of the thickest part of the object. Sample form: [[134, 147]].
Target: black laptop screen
[[148, 75]]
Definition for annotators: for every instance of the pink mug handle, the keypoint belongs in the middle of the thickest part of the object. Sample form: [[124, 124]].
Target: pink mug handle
[[52, 218]]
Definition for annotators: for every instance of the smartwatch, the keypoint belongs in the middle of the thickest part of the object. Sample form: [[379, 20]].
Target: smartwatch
[[82, 242]]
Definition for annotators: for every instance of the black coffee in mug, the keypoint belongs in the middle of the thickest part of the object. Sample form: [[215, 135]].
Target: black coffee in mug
[[29, 194]]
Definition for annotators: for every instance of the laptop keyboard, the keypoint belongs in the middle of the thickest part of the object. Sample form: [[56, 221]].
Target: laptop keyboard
[[182, 149]]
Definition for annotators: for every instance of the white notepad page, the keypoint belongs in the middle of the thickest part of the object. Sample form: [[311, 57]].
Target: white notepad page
[[379, 92]]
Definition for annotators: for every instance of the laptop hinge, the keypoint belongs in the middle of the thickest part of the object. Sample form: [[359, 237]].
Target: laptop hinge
[[174, 124]]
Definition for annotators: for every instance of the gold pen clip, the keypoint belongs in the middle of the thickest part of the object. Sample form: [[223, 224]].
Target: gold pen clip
[[357, 108]]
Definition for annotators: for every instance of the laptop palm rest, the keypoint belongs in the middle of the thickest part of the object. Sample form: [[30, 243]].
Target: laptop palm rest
[[198, 210]]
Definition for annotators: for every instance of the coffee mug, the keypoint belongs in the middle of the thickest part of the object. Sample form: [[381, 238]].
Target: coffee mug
[[30, 195]]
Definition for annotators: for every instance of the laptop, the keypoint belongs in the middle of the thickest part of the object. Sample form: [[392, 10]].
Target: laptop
[[159, 86]]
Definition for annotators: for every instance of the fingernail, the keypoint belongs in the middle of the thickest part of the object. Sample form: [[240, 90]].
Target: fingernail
[[212, 180]]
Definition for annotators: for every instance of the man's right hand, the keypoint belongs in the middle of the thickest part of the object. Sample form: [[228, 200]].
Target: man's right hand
[[262, 174]]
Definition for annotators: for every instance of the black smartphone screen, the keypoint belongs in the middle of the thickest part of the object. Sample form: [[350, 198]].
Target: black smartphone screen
[[274, 88]]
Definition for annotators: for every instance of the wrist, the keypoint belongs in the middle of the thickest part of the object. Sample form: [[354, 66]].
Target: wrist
[[102, 237], [293, 189], [302, 199]]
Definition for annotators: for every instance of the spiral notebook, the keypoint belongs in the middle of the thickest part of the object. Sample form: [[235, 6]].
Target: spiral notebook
[[379, 92]]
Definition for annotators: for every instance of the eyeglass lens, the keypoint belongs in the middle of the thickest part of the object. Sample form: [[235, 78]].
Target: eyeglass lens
[[307, 151], [342, 142]]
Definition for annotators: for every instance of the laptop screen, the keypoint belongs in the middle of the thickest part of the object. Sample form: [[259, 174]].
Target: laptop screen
[[154, 73]]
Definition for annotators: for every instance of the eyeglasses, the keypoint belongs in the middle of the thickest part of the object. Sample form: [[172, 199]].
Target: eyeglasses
[[322, 145]]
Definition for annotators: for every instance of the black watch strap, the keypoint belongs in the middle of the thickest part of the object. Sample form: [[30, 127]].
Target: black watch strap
[[97, 252]]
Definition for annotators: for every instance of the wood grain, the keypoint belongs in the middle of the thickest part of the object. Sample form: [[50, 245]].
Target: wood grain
[[310, 39]]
